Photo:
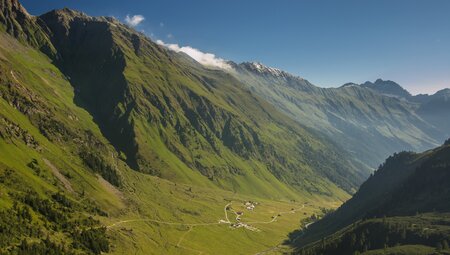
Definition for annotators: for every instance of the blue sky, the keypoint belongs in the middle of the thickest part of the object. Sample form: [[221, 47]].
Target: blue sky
[[328, 42]]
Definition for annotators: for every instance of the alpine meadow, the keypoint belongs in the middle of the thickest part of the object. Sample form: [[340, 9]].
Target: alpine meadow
[[116, 140]]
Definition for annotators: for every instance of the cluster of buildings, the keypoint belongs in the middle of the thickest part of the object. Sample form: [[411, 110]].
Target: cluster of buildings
[[243, 225], [249, 205]]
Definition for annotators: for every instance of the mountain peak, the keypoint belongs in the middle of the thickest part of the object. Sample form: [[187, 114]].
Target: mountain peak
[[67, 15], [69, 12], [16, 21], [388, 88], [13, 7], [350, 84], [260, 68], [443, 92]]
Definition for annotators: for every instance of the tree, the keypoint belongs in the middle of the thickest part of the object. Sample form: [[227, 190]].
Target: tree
[[439, 246], [403, 234], [445, 245]]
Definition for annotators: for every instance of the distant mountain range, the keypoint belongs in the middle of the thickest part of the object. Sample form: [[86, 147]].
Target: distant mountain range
[[431, 108], [390, 88], [375, 113]]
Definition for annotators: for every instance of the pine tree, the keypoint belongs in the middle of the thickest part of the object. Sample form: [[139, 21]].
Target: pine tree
[[445, 245], [439, 246]]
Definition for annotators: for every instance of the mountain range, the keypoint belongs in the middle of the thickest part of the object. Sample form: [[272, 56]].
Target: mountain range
[[430, 108], [100, 128], [353, 113]]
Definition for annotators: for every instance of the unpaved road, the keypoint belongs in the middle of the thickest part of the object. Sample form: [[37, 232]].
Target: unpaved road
[[201, 224], [226, 213], [192, 225], [162, 222], [309, 224], [276, 216]]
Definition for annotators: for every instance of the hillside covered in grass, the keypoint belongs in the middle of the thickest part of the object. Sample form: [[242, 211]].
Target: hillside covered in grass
[[108, 140], [402, 205], [183, 122]]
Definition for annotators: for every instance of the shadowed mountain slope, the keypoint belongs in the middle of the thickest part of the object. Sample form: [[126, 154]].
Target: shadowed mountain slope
[[169, 116], [408, 188]]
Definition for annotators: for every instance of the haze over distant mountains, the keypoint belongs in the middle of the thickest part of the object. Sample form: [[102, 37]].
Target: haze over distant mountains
[[432, 108], [382, 114]]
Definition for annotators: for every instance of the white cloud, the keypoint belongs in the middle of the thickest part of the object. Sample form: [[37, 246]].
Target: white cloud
[[170, 36], [134, 20], [161, 24], [206, 59]]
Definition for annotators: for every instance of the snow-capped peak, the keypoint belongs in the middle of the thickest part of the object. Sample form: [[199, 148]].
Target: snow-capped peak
[[262, 69]]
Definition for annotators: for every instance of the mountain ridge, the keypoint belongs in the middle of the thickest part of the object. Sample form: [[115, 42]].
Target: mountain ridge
[[138, 44], [346, 115], [87, 66], [388, 88], [408, 186]]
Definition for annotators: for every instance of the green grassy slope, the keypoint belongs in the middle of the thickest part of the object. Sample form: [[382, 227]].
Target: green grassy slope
[[37, 114], [182, 122], [403, 203], [70, 145], [42, 172], [420, 234]]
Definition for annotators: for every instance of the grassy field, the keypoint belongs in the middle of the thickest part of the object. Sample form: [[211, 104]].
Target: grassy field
[[182, 219], [150, 215]]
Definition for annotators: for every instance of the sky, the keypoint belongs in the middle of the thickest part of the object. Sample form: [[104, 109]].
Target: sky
[[328, 42]]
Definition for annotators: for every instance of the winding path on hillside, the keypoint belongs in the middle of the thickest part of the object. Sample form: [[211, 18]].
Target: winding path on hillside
[[182, 238], [226, 213], [192, 225], [163, 222], [278, 246], [276, 216]]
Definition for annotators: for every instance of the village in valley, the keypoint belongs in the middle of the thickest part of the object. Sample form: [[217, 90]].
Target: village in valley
[[248, 206]]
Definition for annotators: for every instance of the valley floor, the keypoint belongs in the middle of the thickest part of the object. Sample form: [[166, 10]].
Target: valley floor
[[205, 221]]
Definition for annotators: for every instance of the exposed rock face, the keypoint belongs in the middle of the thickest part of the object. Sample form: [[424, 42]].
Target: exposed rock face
[[10, 131], [19, 23]]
